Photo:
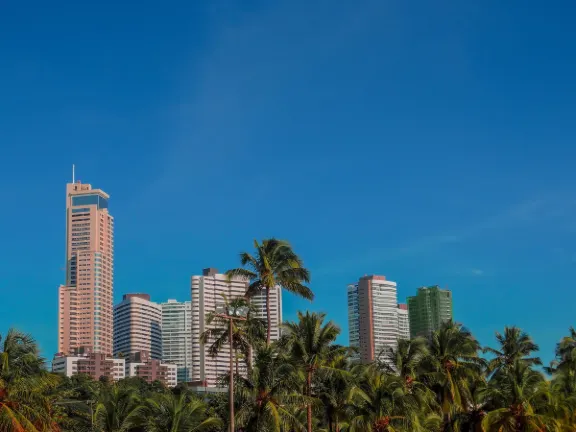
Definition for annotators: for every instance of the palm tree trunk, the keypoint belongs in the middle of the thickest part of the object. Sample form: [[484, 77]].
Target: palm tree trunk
[[268, 317], [309, 407], [249, 357]]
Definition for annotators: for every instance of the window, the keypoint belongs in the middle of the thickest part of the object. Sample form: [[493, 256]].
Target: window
[[81, 210], [91, 199]]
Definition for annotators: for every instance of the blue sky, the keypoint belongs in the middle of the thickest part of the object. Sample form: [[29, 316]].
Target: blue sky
[[432, 142]]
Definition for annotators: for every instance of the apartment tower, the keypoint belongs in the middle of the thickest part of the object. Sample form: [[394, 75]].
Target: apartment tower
[[403, 321], [428, 309], [137, 326], [206, 291], [373, 316], [176, 337], [85, 300]]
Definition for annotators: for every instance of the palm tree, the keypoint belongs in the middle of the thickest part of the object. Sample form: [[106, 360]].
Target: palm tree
[[25, 402], [310, 343], [514, 345], [335, 391], [274, 264], [520, 401], [381, 404], [267, 397], [174, 413], [245, 333], [452, 364], [116, 408], [19, 356], [406, 359]]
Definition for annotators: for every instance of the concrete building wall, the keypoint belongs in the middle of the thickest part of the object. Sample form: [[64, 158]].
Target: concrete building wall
[[137, 326], [95, 365], [177, 337], [85, 300], [428, 309], [373, 316]]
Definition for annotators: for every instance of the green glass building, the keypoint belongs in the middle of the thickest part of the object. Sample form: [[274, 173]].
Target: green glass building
[[429, 308]]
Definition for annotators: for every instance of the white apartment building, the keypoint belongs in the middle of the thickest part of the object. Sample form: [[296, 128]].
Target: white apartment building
[[177, 337], [137, 326], [206, 292], [403, 322], [94, 364], [373, 316]]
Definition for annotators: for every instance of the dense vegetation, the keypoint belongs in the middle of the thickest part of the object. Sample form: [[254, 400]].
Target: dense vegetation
[[307, 382]]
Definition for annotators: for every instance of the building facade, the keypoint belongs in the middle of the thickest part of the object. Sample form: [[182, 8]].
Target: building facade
[[142, 365], [353, 320], [428, 309], [177, 337], [403, 322], [373, 316], [85, 300], [96, 365], [206, 292], [137, 326]]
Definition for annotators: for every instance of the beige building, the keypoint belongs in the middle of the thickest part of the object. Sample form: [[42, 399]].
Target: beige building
[[141, 365], [96, 365], [85, 301], [206, 292], [137, 326]]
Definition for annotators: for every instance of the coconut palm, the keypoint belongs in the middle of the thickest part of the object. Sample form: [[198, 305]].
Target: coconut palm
[[174, 413], [246, 333], [520, 401], [406, 359], [267, 398], [452, 364], [335, 392], [514, 345], [25, 387], [274, 264], [381, 404], [116, 409], [310, 343]]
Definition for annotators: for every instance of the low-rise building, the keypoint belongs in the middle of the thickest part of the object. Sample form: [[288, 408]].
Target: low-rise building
[[96, 365], [142, 365]]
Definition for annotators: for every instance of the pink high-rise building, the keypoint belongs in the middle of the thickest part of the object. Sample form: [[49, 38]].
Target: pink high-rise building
[[85, 314]]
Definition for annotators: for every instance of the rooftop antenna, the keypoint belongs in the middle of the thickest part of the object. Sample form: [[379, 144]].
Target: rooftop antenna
[[73, 178]]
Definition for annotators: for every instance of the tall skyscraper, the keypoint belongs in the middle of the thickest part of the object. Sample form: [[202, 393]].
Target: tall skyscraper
[[373, 316], [403, 321], [177, 337], [206, 291], [428, 309], [137, 326], [85, 301]]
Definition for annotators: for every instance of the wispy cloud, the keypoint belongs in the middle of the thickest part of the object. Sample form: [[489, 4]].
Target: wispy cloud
[[522, 212]]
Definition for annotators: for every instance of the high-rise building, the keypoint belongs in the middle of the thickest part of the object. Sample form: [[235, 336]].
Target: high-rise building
[[403, 321], [177, 337], [428, 309], [85, 301], [137, 326], [206, 291], [373, 316], [353, 319]]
